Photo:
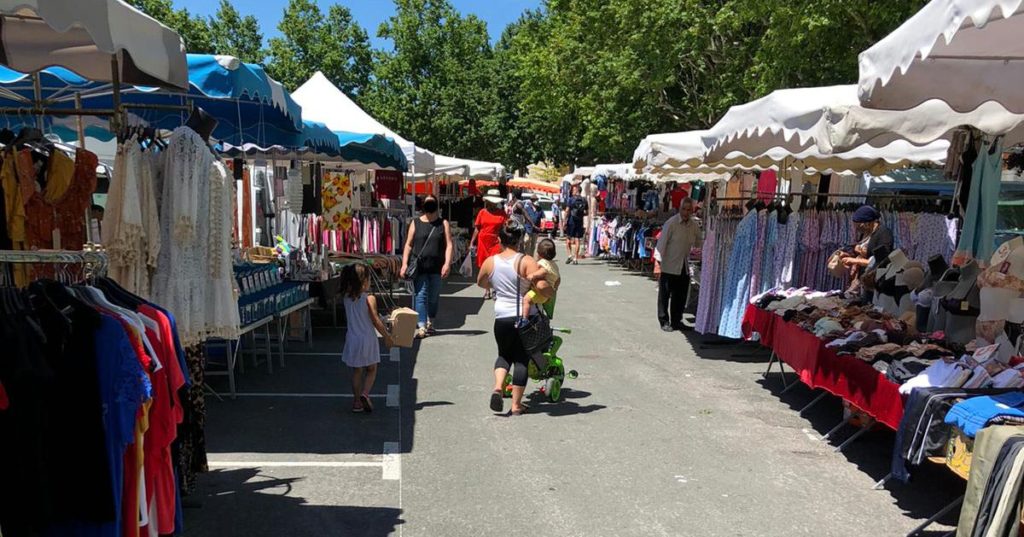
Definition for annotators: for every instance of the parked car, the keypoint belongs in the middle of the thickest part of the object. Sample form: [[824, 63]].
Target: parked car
[[549, 222]]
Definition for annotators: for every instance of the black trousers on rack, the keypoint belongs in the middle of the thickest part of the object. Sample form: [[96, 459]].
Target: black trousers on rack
[[672, 292]]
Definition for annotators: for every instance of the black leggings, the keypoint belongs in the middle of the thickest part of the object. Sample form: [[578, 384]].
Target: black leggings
[[510, 350]]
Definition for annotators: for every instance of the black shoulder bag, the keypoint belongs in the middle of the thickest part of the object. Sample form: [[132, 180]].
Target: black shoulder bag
[[412, 268], [535, 333]]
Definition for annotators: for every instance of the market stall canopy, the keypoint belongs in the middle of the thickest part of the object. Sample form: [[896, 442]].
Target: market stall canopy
[[962, 52], [678, 149], [466, 168], [584, 171], [791, 119], [83, 35], [322, 101], [250, 107], [534, 185], [827, 128], [355, 151], [686, 177], [621, 171]]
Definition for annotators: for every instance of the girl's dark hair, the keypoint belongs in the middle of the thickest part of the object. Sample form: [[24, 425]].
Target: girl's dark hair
[[353, 278], [511, 233]]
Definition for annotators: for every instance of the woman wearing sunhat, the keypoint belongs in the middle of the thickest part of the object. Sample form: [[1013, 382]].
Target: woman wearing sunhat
[[486, 227]]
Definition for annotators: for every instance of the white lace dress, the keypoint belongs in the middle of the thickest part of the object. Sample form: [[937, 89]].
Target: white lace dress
[[194, 278]]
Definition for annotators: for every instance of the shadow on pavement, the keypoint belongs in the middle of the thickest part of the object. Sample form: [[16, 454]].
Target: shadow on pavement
[[539, 403], [305, 407], [933, 486], [246, 502]]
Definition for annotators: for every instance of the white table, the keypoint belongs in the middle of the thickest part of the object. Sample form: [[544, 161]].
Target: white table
[[231, 351], [283, 319]]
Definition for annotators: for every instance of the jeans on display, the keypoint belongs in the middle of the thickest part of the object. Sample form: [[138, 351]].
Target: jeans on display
[[672, 288], [428, 295]]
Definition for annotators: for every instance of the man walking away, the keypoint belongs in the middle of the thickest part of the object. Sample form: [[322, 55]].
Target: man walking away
[[679, 234]]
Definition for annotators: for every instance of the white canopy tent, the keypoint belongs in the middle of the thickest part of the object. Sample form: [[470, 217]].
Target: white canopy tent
[[961, 52], [827, 129], [322, 101], [622, 171], [86, 35], [467, 168], [676, 149]]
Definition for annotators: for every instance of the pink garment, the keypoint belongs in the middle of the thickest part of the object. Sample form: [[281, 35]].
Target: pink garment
[[767, 184]]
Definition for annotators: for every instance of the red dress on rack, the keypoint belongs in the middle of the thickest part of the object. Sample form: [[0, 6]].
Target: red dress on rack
[[487, 242]]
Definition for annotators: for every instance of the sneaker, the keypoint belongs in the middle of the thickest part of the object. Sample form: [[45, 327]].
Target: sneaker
[[667, 328], [568, 261], [421, 332]]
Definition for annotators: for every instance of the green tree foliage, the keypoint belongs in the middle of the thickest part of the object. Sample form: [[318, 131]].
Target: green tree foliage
[[195, 30], [436, 85], [595, 76], [310, 42], [235, 35]]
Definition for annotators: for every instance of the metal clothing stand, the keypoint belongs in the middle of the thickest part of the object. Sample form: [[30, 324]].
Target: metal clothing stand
[[93, 259], [942, 512]]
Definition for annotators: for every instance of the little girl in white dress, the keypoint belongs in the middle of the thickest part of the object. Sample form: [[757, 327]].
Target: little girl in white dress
[[362, 349]]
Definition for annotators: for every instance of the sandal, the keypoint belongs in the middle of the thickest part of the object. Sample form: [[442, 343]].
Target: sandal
[[421, 333], [367, 405], [523, 409], [497, 401], [358, 409]]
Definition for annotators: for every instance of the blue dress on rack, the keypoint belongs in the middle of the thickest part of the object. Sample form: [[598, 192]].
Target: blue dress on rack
[[736, 287]]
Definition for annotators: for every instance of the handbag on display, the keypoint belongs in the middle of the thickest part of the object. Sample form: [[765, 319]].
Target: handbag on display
[[835, 264], [413, 267], [535, 333]]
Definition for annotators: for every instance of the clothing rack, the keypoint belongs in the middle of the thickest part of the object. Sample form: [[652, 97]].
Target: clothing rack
[[94, 260]]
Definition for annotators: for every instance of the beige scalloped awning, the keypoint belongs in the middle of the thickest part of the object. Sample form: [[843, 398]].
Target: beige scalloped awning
[[83, 36]]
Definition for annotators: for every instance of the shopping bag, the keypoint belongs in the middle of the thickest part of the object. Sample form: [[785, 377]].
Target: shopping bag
[[467, 267], [403, 326]]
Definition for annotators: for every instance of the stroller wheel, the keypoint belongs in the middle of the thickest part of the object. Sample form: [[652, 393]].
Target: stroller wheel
[[553, 387]]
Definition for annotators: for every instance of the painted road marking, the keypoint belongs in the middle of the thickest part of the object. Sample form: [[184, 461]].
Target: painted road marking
[[392, 463], [294, 464], [343, 395], [393, 395]]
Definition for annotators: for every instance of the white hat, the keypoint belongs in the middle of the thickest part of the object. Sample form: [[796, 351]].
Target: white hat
[[494, 196]]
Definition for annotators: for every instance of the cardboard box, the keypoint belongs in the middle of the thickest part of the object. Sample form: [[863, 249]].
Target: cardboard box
[[403, 326]]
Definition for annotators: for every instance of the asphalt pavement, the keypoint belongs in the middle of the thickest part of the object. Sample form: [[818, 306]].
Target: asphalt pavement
[[662, 434]]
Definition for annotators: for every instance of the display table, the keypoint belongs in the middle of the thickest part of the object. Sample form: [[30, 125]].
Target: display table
[[233, 346], [283, 319], [818, 367]]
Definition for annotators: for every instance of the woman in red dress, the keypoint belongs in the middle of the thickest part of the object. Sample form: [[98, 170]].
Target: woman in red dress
[[485, 233]]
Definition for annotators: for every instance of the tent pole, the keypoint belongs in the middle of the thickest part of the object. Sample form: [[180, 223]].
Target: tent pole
[[79, 123], [37, 91], [115, 81]]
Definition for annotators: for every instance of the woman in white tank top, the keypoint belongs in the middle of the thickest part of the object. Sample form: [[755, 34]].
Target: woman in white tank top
[[507, 274]]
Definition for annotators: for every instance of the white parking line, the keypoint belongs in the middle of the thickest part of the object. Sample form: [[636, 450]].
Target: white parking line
[[295, 464], [342, 395], [392, 464], [394, 395]]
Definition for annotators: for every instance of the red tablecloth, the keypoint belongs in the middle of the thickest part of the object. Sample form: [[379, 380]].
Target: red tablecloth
[[761, 321], [819, 367]]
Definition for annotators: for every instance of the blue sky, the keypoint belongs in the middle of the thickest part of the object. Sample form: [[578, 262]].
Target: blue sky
[[369, 13]]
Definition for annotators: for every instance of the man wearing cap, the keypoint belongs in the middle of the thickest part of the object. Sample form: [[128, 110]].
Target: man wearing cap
[[878, 238]]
